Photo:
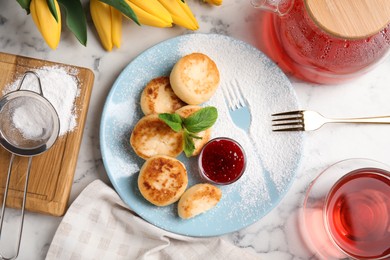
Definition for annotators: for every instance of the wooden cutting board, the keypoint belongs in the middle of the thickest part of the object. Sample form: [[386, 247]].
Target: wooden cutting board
[[52, 172]]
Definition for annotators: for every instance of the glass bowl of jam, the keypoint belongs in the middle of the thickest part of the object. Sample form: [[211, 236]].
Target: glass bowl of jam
[[222, 161]]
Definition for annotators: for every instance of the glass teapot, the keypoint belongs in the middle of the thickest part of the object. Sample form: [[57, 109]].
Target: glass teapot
[[326, 42]]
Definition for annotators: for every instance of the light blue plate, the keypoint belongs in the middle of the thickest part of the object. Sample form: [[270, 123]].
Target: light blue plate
[[267, 91]]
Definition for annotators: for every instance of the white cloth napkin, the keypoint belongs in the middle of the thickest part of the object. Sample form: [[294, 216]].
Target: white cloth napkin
[[98, 225]]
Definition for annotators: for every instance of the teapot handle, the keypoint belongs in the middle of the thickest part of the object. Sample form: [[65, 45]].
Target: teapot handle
[[279, 7]]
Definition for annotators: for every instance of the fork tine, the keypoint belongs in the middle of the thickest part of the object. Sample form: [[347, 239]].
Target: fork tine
[[290, 124], [240, 94], [300, 118], [227, 95], [290, 121], [288, 129], [288, 113], [234, 96]]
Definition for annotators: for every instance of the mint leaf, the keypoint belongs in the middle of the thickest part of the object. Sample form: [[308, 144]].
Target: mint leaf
[[201, 119], [124, 8], [75, 19], [52, 8], [189, 145], [173, 120], [197, 122], [194, 136]]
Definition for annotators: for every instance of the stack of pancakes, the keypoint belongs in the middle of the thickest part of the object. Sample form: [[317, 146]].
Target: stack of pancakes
[[163, 178]]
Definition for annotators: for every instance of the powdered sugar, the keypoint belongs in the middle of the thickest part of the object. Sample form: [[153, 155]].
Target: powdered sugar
[[30, 119], [267, 91], [267, 153], [60, 87]]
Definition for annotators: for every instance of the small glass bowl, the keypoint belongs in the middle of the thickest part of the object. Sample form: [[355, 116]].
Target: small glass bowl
[[223, 158]]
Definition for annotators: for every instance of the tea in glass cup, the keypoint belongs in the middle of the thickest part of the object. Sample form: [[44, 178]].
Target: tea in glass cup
[[357, 213], [346, 211]]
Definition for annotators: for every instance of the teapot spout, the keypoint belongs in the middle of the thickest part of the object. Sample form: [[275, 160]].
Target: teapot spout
[[279, 7]]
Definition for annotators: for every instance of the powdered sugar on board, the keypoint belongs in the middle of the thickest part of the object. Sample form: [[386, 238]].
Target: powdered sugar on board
[[60, 87], [267, 90]]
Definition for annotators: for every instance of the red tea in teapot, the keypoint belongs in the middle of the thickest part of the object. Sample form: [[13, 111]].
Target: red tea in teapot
[[303, 48]]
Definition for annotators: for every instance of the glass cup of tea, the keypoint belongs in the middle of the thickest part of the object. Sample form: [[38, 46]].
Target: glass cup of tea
[[346, 211]]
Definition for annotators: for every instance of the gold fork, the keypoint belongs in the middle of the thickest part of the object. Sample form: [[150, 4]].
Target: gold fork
[[306, 120]]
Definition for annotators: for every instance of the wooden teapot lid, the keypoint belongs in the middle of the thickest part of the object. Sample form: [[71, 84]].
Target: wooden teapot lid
[[351, 19]]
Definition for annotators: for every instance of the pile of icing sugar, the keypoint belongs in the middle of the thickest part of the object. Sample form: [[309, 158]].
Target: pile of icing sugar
[[262, 81], [60, 87], [30, 118]]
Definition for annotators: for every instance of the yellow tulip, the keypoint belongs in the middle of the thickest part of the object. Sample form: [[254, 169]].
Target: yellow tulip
[[45, 22]]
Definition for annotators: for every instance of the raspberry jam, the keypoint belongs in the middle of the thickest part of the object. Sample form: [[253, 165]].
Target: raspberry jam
[[222, 161]]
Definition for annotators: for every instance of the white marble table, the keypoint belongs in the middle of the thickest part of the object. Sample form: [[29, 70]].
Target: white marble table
[[276, 235]]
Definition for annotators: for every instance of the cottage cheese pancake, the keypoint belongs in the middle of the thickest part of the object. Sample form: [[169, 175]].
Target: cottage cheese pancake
[[158, 97], [198, 199], [194, 78], [162, 180], [151, 136]]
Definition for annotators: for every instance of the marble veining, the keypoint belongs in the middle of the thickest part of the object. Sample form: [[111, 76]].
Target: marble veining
[[277, 235]]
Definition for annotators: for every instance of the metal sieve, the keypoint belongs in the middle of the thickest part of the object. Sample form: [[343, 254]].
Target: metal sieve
[[29, 125]]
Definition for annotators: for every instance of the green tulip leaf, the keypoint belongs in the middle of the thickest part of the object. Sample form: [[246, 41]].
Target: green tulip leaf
[[75, 19], [124, 8], [52, 7], [25, 4]]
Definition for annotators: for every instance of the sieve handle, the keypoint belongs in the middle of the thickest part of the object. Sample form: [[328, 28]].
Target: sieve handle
[[38, 78], [23, 205]]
